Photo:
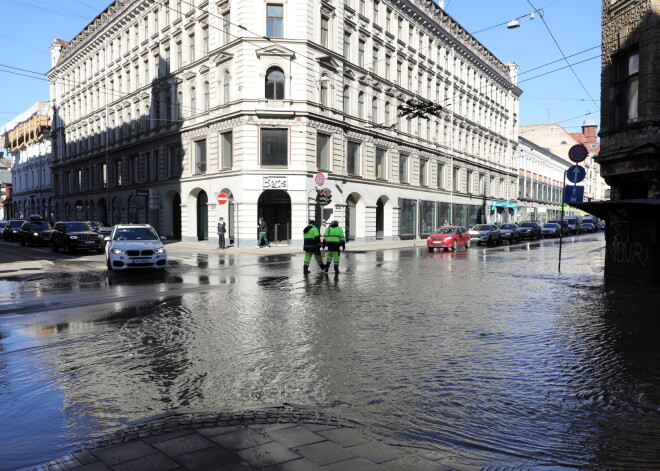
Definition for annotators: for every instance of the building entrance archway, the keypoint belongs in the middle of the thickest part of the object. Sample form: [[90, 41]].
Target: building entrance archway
[[380, 219], [176, 217], [202, 216], [275, 207], [351, 217]]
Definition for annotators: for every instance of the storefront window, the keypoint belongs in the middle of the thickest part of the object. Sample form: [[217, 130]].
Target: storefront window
[[444, 214], [460, 215], [427, 217], [408, 217]]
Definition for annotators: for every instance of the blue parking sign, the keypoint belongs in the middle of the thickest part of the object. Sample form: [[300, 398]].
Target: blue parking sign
[[573, 194]]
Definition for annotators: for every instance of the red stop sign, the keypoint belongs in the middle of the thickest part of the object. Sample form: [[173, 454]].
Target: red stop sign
[[222, 198]]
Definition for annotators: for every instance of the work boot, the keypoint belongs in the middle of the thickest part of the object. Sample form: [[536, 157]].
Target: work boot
[[336, 268], [305, 270], [326, 267]]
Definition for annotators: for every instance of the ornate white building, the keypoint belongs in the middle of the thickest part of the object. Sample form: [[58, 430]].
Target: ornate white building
[[160, 107], [27, 141]]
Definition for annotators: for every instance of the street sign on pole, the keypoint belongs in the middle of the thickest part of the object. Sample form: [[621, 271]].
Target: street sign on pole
[[575, 173], [222, 198], [573, 194], [578, 153], [320, 178]]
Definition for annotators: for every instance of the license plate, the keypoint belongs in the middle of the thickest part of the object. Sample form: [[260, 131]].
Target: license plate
[[88, 242], [141, 261]]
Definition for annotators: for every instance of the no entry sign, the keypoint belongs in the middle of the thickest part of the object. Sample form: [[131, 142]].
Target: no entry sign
[[320, 179], [222, 198]]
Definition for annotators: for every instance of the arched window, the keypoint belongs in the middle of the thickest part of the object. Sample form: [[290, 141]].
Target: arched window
[[275, 84], [193, 100], [207, 96], [360, 104], [225, 88]]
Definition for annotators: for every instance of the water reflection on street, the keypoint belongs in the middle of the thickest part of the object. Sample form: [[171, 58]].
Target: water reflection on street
[[479, 356]]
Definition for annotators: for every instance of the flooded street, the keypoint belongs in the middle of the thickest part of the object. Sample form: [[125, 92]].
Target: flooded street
[[484, 356]]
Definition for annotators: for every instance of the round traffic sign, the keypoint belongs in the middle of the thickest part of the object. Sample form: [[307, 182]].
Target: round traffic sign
[[578, 153], [319, 178], [575, 173], [222, 198]]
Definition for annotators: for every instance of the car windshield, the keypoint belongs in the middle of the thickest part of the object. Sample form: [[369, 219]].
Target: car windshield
[[77, 226], [527, 224], [552, 226], [446, 230], [93, 224], [507, 226], [40, 225], [135, 233], [480, 227], [15, 224]]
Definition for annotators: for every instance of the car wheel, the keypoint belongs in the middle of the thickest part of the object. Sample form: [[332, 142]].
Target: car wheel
[[22, 241], [490, 242], [68, 249], [455, 246], [467, 244], [108, 264], [53, 246]]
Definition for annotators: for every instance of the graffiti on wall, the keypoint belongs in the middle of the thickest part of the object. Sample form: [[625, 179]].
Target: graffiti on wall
[[620, 247]]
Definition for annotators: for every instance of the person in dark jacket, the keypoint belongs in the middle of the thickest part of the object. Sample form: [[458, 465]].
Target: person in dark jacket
[[262, 227], [312, 246], [222, 229], [334, 240]]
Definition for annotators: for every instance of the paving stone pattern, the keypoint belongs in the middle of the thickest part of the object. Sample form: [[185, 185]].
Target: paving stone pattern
[[273, 438]]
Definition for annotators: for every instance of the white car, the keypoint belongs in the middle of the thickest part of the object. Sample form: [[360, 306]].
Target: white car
[[134, 246]]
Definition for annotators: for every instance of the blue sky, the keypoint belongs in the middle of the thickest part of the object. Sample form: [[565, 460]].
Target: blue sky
[[29, 27]]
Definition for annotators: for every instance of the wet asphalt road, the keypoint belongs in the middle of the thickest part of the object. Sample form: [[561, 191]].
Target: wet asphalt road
[[484, 356]]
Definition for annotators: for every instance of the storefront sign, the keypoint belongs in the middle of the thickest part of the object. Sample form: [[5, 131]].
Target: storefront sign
[[275, 183]]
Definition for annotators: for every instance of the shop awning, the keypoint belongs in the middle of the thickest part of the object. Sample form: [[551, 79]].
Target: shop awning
[[502, 204]]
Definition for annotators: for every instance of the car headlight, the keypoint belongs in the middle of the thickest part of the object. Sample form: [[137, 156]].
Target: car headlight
[[160, 250], [118, 251], [36, 234], [73, 237]]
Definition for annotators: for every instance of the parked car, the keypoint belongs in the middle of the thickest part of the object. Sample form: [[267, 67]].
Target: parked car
[[510, 232], [35, 231], [73, 236], [551, 229], [12, 228], [530, 230], [562, 224], [601, 226], [2, 228], [485, 233], [134, 246], [574, 224], [448, 237], [588, 227], [101, 228]]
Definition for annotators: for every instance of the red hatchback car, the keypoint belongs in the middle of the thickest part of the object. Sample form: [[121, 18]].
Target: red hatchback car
[[448, 237]]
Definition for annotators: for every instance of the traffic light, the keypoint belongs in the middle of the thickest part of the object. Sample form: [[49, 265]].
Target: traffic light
[[328, 196], [323, 196]]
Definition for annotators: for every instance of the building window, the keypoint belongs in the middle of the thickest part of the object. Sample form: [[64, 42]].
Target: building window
[[423, 164], [403, 168], [200, 157], [274, 147], [227, 150], [347, 46], [627, 88], [374, 109], [226, 25], [353, 159], [225, 88], [482, 184], [455, 180], [388, 65], [381, 156], [345, 100], [174, 162], [205, 40], [275, 84], [324, 89], [361, 105], [179, 55], [470, 181], [191, 47], [361, 53], [325, 28], [117, 173], [274, 21], [193, 101], [135, 169], [323, 152], [207, 96]]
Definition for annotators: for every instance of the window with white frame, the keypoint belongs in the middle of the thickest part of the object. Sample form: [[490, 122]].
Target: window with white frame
[[274, 20], [274, 146], [323, 151], [353, 158], [381, 163], [403, 168]]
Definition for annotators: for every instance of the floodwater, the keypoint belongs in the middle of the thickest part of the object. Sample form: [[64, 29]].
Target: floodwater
[[480, 357]]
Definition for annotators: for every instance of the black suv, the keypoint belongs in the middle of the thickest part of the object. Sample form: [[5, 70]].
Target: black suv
[[74, 235], [530, 230], [10, 232], [35, 231]]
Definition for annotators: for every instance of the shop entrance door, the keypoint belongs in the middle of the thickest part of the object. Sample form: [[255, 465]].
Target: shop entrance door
[[275, 207]]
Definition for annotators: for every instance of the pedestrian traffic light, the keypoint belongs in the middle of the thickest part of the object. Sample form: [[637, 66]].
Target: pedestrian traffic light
[[328, 196]]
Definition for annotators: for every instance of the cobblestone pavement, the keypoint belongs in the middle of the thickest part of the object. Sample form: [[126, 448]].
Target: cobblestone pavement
[[277, 437]]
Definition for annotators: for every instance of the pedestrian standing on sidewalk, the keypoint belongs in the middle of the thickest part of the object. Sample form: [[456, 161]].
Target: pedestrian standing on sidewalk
[[312, 246], [222, 229], [334, 240], [262, 227]]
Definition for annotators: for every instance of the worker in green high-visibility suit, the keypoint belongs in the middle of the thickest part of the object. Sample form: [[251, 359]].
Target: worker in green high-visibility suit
[[334, 240], [312, 246]]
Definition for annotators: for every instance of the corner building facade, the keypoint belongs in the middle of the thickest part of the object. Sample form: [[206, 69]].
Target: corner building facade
[[160, 108]]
